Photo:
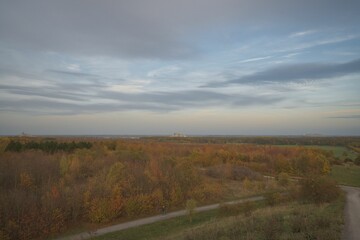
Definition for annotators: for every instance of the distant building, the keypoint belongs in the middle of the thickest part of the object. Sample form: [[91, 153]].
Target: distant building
[[178, 135], [25, 135]]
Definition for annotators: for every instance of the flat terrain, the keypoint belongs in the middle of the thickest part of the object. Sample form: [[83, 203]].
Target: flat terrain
[[346, 175], [338, 151]]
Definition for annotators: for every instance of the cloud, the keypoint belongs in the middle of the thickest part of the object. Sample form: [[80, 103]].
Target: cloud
[[159, 29], [47, 92], [51, 82], [346, 117], [303, 33], [164, 72], [322, 42], [73, 92], [255, 59], [50, 107], [73, 73], [56, 100], [295, 73]]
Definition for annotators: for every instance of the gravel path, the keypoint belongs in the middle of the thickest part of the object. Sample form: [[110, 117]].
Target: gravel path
[[352, 213], [143, 221]]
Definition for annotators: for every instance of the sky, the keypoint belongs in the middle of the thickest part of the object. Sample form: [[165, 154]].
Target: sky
[[199, 67]]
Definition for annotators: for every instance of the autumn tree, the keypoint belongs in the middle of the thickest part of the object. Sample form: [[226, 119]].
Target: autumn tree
[[190, 208]]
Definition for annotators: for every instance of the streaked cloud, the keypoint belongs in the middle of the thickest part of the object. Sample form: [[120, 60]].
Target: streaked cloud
[[296, 72], [73, 73], [55, 102], [163, 72], [346, 116], [303, 33], [254, 59]]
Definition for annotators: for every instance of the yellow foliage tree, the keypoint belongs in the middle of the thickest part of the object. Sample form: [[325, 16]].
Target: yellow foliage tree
[[326, 167], [26, 180]]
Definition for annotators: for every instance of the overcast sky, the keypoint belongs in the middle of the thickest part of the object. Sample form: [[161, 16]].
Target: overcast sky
[[262, 67]]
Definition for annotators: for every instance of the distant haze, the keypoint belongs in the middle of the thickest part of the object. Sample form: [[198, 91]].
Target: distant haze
[[225, 67]]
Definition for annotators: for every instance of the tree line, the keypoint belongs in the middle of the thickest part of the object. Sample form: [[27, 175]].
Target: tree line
[[46, 146], [265, 140]]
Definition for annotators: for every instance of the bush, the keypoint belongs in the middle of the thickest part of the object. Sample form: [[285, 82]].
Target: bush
[[273, 198], [245, 208], [273, 226], [294, 221], [357, 160], [283, 179], [319, 189]]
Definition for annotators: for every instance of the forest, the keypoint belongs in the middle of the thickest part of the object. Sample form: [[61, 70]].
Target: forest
[[51, 186]]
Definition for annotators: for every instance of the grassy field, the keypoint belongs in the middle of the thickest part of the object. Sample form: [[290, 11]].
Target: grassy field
[[346, 175], [338, 151], [173, 226], [290, 221], [287, 221], [158, 229]]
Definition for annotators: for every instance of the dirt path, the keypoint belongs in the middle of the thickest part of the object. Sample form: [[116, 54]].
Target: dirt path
[[352, 213], [143, 221]]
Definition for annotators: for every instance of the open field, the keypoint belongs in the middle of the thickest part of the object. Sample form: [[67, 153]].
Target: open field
[[346, 175], [338, 151]]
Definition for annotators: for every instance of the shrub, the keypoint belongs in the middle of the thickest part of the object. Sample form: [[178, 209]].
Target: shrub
[[294, 221], [283, 179], [357, 160], [319, 189], [272, 227], [235, 209], [273, 198], [100, 211]]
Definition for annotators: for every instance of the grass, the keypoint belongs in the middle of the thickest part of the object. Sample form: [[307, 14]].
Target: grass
[[338, 151], [290, 221], [346, 175], [157, 229], [286, 221], [173, 226]]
